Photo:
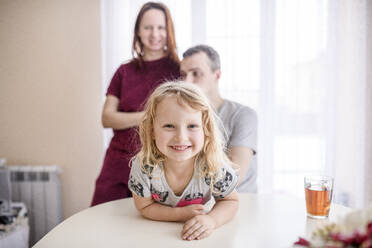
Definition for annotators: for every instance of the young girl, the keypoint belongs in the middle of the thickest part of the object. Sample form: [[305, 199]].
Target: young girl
[[182, 163]]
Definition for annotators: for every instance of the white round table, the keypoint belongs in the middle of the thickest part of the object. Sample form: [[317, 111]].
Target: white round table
[[262, 221]]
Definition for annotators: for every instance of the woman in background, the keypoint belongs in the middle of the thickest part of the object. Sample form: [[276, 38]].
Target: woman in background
[[154, 61]]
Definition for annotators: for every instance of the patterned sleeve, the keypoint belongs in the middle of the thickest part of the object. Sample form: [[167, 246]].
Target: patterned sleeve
[[139, 182], [227, 183]]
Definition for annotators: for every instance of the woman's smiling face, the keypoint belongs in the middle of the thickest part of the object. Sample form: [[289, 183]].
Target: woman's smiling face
[[153, 31]]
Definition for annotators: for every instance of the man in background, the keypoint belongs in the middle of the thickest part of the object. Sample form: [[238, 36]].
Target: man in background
[[201, 66]]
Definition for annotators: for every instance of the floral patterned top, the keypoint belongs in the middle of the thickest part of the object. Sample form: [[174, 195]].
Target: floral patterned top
[[198, 191]]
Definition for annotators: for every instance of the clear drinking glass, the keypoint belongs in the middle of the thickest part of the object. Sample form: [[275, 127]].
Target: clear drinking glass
[[318, 194]]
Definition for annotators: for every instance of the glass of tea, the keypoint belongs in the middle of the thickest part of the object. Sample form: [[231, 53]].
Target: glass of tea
[[318, 194]]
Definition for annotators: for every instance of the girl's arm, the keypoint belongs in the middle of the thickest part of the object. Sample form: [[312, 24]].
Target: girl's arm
[[112, 118], [155, 211], [223, 211]]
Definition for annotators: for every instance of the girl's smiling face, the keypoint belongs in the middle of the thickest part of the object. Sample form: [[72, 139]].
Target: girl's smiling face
[[178, 131]]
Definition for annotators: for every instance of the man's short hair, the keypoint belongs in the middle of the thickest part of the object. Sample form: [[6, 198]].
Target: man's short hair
[[212, 54]]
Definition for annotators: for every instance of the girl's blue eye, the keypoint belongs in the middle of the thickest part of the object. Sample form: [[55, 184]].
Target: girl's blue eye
[[193, 126], [168, 126]]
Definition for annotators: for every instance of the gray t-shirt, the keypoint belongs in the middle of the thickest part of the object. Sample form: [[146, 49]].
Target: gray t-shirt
[[197, 191], [240, 124]]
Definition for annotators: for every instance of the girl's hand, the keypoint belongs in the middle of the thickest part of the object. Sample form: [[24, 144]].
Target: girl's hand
[[199, 227], [191, 211]]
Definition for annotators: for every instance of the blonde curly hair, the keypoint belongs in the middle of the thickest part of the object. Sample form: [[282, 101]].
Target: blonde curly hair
[[212, 156]]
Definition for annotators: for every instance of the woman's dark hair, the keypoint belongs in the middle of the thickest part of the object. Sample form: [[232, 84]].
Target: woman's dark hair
[[137, 46]]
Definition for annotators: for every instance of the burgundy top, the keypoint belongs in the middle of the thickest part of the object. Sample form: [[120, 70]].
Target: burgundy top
[[133, 86]]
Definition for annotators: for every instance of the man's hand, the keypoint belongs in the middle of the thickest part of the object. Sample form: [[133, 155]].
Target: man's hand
[[198, 227]]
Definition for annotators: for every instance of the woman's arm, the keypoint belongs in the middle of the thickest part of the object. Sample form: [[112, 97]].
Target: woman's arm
[[223, 211], [112, 118], [155, 211]]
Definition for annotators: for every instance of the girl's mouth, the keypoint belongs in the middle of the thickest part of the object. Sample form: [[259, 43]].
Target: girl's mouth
[[180, 148]]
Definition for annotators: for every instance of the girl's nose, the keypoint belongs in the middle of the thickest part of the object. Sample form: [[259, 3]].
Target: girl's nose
[[180, 135]]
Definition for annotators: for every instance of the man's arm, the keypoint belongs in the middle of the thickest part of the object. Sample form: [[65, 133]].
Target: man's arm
[[156, 211], [241, 156], [243, 140]]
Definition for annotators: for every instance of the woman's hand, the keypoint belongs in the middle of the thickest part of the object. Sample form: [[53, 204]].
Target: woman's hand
[[113, 118], [198, 227]]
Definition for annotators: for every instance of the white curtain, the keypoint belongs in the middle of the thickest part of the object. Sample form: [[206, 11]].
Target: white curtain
[[299, 63]]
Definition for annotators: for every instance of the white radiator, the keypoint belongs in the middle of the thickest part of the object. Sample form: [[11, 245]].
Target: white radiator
[[39, 187]]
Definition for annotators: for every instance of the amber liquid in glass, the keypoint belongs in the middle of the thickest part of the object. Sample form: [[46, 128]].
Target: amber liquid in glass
[[318, 201]]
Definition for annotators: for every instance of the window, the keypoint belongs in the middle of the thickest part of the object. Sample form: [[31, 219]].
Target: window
[[280, 58], [299, 64]]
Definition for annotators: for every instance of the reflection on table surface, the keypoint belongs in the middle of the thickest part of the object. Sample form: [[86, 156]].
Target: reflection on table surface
[[263, 220]]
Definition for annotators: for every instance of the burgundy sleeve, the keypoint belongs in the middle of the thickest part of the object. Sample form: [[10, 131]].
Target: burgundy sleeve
[[115, 84]]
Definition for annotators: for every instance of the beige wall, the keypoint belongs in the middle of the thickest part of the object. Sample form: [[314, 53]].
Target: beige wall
[[50, 91], [368, 178]]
